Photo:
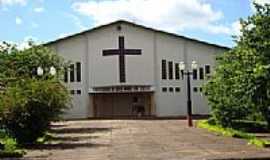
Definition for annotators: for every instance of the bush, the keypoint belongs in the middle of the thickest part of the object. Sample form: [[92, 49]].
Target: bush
[[240, 86], [29, 107], [29, 102]]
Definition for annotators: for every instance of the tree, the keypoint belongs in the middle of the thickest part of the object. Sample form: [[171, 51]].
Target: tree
[[28, 102], [23, 63], [240, 86]]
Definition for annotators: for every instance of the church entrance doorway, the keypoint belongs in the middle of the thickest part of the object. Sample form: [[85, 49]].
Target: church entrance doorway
[[122, 105]]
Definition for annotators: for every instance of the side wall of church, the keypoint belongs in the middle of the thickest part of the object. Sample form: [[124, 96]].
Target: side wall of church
[[75, 50], [169, 100], [204, 55]]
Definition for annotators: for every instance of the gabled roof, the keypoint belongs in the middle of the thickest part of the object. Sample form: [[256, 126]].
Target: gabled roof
[[136, 25]]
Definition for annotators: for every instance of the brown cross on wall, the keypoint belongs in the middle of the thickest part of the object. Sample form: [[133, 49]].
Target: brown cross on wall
[[121, 52]]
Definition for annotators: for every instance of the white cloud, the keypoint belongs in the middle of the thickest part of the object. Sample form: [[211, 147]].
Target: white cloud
[[236, 28], [39, 9], [63, 35], [18, 20], [76, 21], [170, 15], [12, 2], [262, 1], [24, 43]]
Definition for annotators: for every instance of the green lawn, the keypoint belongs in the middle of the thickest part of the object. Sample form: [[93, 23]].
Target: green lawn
[[230, 132]]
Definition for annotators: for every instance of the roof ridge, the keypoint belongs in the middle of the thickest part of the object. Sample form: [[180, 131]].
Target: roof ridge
[[137, 25]]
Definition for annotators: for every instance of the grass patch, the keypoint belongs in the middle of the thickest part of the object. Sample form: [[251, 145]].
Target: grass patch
[[229, 132], [46, 138], [9, 146]]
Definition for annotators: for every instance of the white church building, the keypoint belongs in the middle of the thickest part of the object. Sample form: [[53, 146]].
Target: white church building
[[123, 69]]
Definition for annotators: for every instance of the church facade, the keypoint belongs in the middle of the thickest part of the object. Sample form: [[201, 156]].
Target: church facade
[[124, 69]]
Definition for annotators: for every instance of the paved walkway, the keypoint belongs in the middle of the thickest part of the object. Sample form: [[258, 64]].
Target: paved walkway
[[139, 139]]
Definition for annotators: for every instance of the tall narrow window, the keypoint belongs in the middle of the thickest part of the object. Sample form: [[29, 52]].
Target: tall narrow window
[[72, 73], [78, 69], [182, 74], [177, 74], [207, 69], [66, 75], [201, 73], [170, 70], [163, 69], [194, 74]]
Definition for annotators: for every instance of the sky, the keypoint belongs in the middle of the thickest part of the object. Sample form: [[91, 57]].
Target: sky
[[214, 21]]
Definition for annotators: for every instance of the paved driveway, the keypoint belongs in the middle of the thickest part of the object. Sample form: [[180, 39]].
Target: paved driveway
[[138, 139]]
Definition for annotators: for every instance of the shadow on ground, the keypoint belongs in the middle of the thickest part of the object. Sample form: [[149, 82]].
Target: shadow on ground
[[70, 138], [62, 146], [79, 130]]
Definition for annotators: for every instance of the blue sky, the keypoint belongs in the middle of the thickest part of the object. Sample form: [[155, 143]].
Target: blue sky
[[213, 21]]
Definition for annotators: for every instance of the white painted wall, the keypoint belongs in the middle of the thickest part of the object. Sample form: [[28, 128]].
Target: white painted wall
[[75, 50], [169, 103], [104, 70], [144, 69]]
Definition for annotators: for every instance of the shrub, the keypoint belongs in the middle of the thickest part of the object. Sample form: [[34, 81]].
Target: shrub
[[240, 86], [28, 102], [29, 107]]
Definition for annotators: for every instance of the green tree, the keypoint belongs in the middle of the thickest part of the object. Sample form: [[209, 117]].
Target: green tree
[[28, 102], [240, 86], [17, 64]]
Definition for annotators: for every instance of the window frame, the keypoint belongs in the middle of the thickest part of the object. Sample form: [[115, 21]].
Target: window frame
[[195, 74], [72, 73], [78, 71], [164, 89], [177, 71], [201, 73], [205, 69], [170, 68], [66, 75], [163, 69]]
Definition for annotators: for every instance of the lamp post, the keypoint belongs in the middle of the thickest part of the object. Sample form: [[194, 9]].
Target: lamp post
[[52, 71], [186, 72], [40, 71]]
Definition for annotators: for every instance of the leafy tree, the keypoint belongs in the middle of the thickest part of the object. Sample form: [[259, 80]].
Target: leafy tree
[[28, 102], [18, 64], [240, 86]]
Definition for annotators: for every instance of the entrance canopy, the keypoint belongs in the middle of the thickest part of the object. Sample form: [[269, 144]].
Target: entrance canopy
[[122, 89]]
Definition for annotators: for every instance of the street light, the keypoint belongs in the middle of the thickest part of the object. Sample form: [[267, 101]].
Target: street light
[[52, 71], [182, 67], [40, 71]]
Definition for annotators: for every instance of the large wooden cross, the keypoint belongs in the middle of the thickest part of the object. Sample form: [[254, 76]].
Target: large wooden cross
[[121, 52]]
